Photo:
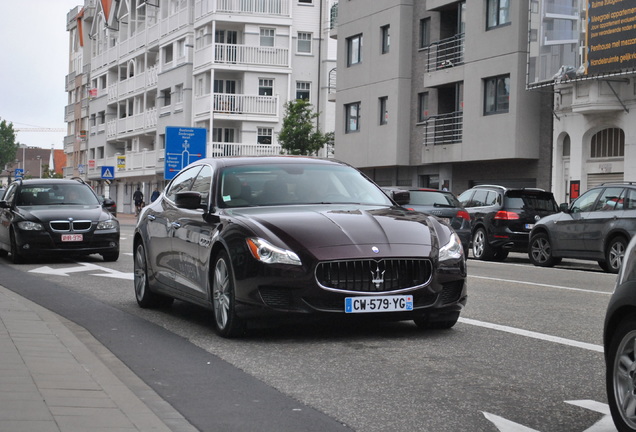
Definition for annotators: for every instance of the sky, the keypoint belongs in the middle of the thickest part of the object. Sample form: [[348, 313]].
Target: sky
[[34, 67]]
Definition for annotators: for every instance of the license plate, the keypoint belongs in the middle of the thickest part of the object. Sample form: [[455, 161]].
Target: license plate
[[72, 237], [529, 226], [390, 303]]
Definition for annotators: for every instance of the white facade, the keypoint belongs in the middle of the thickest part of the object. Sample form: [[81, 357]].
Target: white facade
[[228, 66]]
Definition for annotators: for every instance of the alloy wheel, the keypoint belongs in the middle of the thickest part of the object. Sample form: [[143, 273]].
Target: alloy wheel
[[221, 294], [624, 379]]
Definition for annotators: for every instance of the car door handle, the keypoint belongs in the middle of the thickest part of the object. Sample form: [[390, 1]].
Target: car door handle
[[176, 225], [152, 217]]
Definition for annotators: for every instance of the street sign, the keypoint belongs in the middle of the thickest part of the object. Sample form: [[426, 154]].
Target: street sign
[[108, 172], [18, 173], [183, 146]]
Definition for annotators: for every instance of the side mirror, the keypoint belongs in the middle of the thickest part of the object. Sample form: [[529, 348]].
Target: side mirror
[[189, 200], [564, 207], [108, 202], [401, 197]]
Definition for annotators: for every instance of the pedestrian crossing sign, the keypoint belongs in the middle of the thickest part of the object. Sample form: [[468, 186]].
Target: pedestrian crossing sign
[[108, 172]]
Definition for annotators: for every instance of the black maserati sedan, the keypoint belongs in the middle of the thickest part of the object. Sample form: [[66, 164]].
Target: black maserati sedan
[[55, 217], [277, 237]]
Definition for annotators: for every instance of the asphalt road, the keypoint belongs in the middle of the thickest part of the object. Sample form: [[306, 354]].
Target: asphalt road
[[526, 353]]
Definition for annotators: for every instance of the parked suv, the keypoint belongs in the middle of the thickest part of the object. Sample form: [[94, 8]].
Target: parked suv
[[503, 217], [596, 226]]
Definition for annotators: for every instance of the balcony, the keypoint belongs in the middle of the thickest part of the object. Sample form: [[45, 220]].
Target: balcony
[[443, 128], [239, 149], [561, 36], [331, 95], [234, 104], [140, 82], [233, 54], [333, 21], [135, 123], [137, 163], [242, 7], [445, 53]]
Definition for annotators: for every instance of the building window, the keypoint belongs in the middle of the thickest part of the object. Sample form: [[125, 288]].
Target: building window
[[267, 37], [386, 38], [422, 107], [265, 87], [384, 111], [608, 143], [305, 1], [265, 135], [352, 117], [497, 95], [178, 93], [498, 13], [354, 50], [167, 54], [425, 32], [304, 43], [303, 89], [166, 95]]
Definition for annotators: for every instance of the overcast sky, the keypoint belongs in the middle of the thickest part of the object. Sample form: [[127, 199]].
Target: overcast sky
[[34, 66]]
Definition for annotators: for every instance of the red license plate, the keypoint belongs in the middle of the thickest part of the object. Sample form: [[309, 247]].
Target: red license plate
[[72, 237]]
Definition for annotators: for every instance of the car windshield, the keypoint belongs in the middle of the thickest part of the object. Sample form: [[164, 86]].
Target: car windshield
[[433, 198], [283, 184], [531, 200], [56, 194]]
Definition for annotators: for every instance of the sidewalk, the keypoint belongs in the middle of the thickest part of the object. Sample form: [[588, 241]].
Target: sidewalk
[[55, 377]]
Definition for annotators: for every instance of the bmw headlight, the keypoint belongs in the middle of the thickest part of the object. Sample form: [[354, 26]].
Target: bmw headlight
[[266, 252], [452, 250], [107, 224], [30, 226]]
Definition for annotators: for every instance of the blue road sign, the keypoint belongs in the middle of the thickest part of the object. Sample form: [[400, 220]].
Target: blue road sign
[[183, 146], [108, 172], [18, 173]]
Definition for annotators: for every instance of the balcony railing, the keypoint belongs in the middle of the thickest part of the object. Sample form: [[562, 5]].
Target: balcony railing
[[445, 53], [248, 7], [241, 55], [134, 123], [137, 83], [444, 128], [245, 104], [240, 149]]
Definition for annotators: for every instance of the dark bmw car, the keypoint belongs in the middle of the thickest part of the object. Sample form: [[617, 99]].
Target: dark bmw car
[[619, 340], [55, 217], [261, 238], [440, 203]]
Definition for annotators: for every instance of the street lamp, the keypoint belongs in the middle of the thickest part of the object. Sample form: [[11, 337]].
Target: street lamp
[[40, 159]]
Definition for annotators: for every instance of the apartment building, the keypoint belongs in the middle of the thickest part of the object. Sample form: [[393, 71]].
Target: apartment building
[[433, 93], [228, 66]]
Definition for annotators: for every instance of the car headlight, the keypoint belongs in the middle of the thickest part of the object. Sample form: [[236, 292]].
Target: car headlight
[[451, 250], [107, 224], [30, 226], [266, 252]]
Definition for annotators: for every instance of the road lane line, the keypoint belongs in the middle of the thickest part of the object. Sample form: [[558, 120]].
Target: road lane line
[[541, 285], [534, 335]]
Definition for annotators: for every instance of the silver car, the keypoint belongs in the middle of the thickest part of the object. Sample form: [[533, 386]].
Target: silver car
[[596, 226]]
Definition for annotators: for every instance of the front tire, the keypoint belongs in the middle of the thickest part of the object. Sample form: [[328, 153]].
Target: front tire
[[145, 297], [16, 257], [444, 323], [481, 248], [540, 251], [111, 257], [614, 254], [619, 377], [227, 324]]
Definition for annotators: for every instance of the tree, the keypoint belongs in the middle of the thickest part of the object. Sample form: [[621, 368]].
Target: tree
[[298, 135], [8, 144]]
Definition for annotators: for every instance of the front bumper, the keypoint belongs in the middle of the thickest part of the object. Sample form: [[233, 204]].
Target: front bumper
[[34, 243]]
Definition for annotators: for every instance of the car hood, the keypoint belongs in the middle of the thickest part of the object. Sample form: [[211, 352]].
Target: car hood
[[352, 231], [63, 212]]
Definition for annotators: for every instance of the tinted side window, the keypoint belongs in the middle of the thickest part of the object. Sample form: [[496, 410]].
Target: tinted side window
[[630, 200], [464, 198], [202, 184], [8, 196], [480, 198], [610, 199], [182, 182], [586, 201]]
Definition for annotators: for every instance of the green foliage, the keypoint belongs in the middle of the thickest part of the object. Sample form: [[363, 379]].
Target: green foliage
[[8, 144], [298, 135]]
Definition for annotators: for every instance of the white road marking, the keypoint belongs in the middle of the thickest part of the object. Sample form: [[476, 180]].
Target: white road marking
[[605, 424], [541, 285], [84, 267], [534, 335]]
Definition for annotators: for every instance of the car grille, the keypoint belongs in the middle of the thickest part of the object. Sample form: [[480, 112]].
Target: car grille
[[374, 275], [70, 225]]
